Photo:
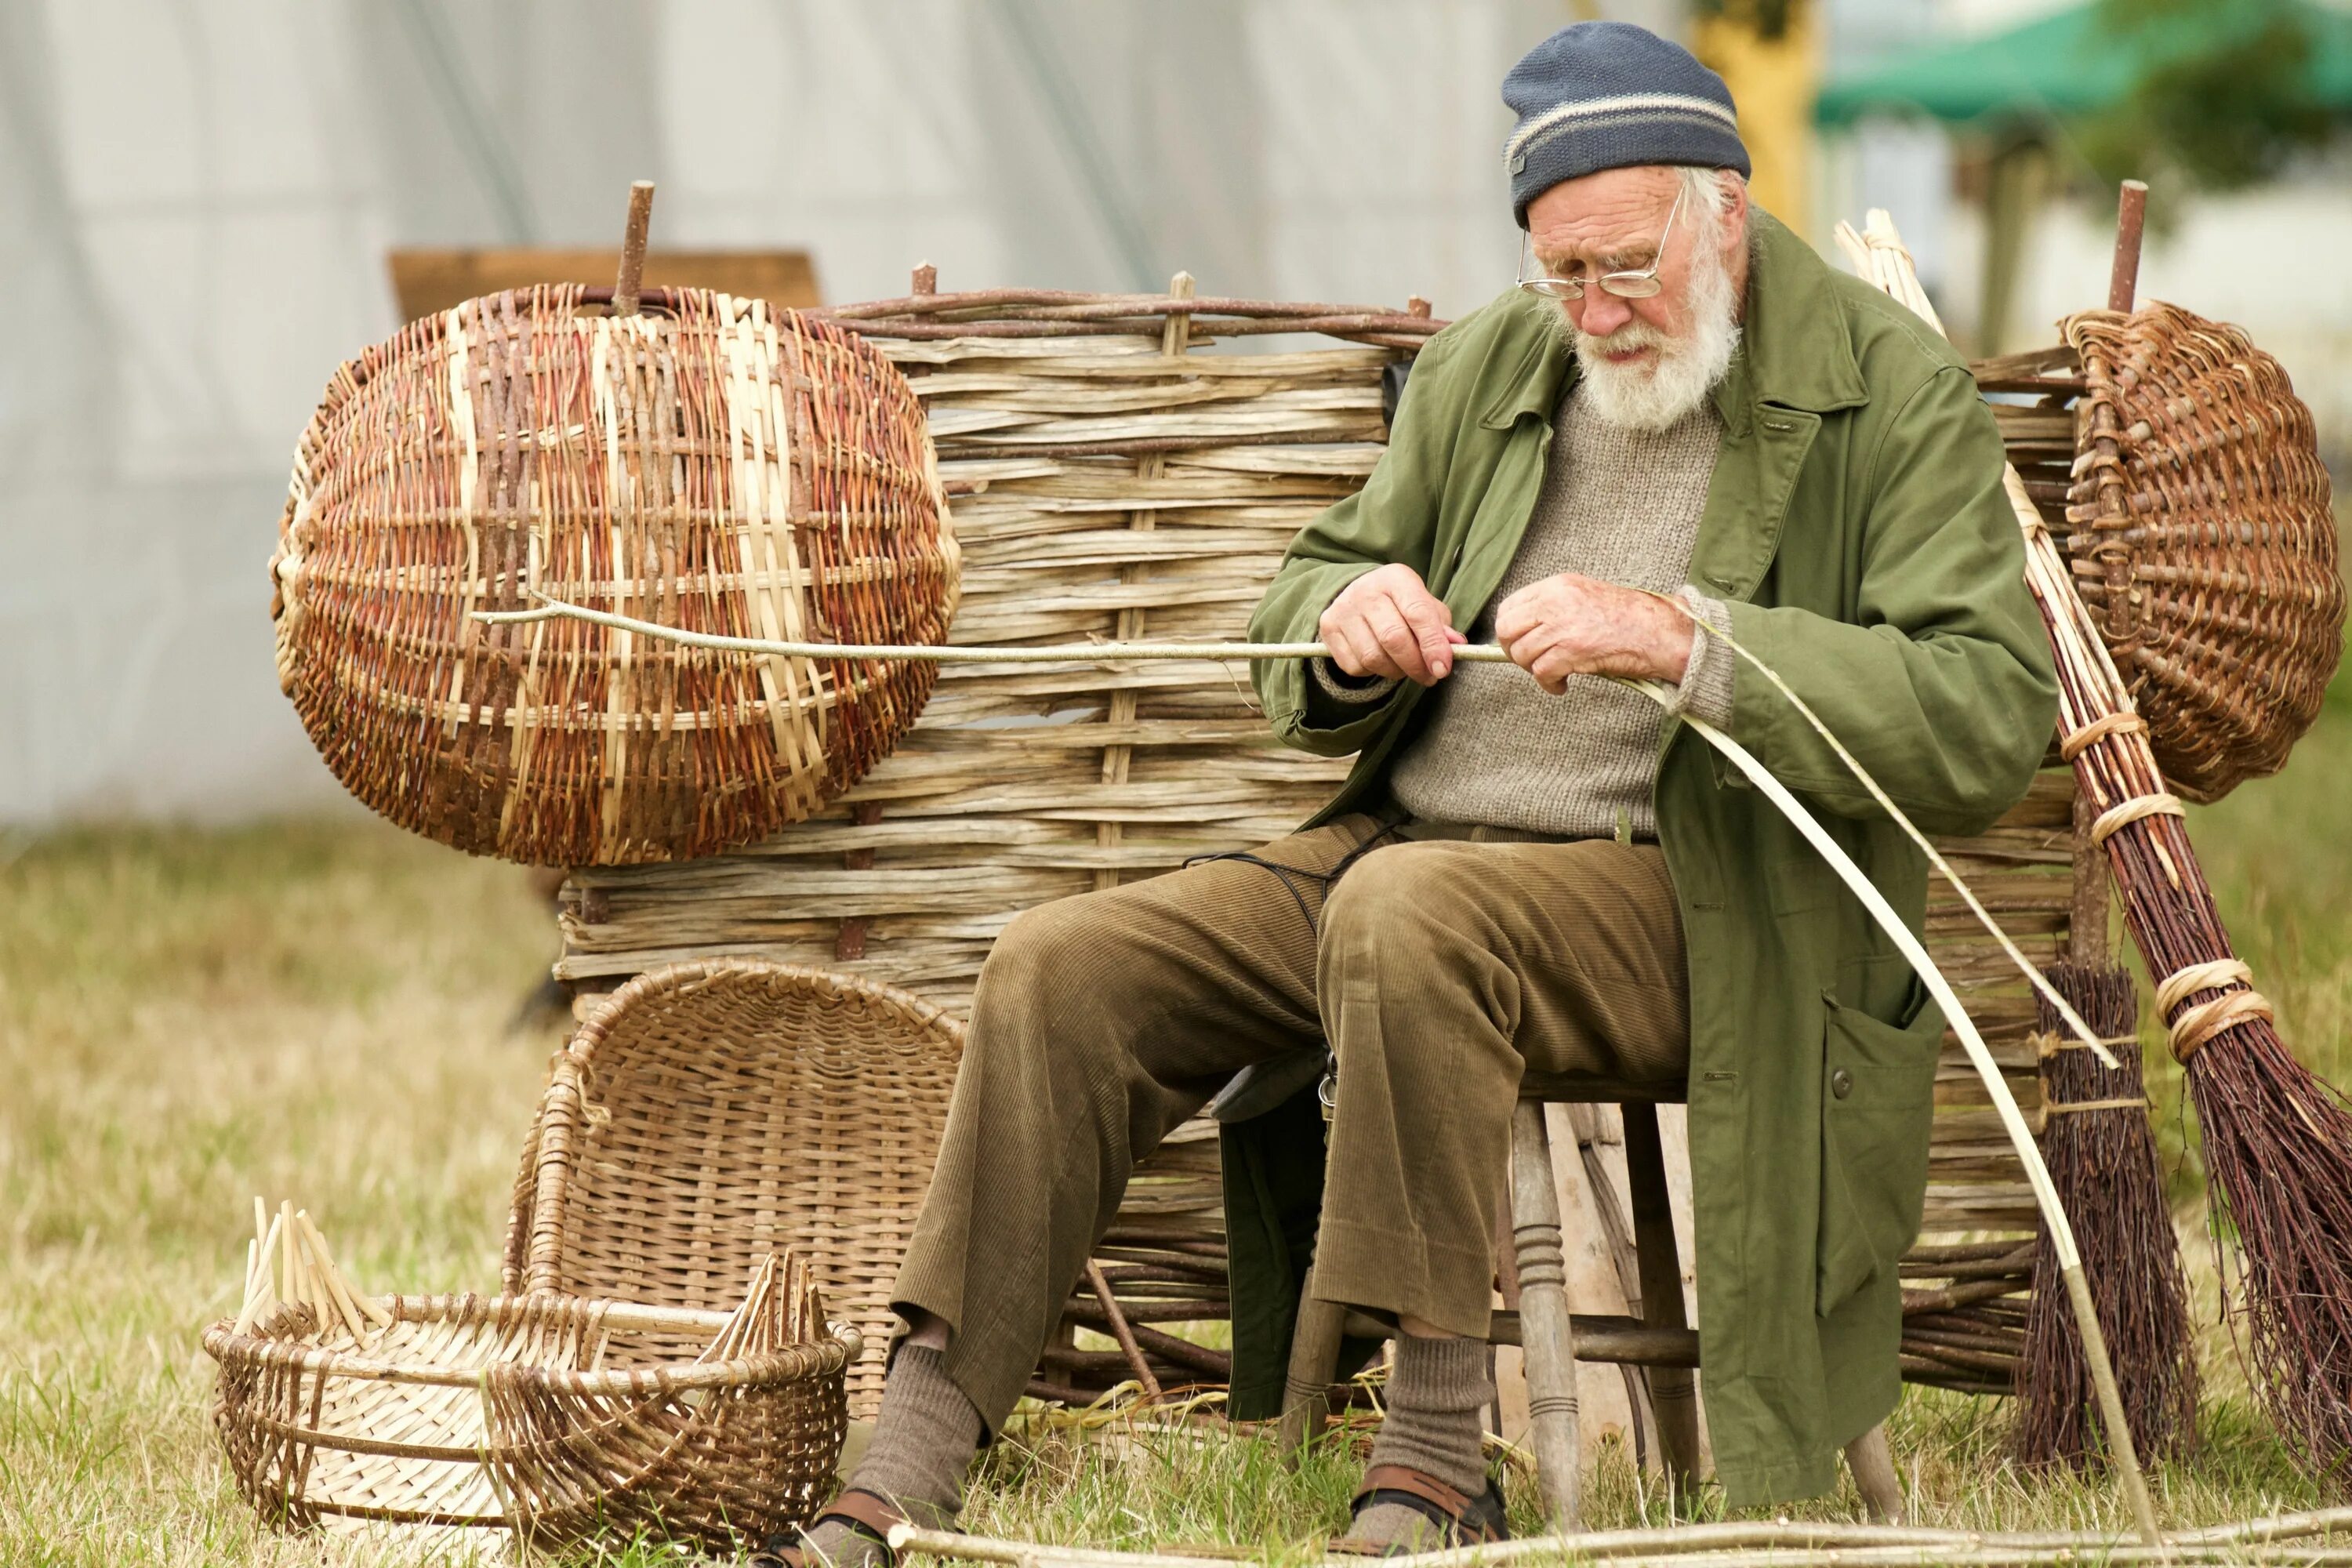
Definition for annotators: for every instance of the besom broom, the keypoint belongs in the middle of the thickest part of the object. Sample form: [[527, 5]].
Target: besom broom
[[2278, 1140], [2100, 1149]]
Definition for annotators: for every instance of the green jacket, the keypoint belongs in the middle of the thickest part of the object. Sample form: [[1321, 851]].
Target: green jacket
[[1856, 527]]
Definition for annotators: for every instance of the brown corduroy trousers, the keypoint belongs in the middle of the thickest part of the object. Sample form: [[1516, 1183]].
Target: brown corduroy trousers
[[1439, 963]]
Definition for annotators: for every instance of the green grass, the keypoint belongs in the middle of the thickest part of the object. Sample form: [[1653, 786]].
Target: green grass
[[319, 1011], [307, 1010]]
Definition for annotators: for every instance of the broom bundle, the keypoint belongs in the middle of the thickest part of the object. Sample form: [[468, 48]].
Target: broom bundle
[[2278, 1141], [2101, 1158]]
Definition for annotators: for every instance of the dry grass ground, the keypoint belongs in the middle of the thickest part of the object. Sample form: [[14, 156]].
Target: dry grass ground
[[319, 1010]]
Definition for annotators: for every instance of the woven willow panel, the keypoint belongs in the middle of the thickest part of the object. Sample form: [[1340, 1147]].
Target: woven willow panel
[[1019, 785], [1103, 487]]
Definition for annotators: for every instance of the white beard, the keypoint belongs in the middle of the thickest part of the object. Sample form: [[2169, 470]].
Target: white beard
[[1655, 393]]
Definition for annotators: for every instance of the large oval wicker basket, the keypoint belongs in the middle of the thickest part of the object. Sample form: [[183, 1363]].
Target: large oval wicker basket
[[715, 464], [2204, 540], [708, 1113], [556, 1417]]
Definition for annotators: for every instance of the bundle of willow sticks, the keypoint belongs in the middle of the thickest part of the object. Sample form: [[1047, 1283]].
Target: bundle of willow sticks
[[2101, 1156], [288, 1260], [2278, 1140]]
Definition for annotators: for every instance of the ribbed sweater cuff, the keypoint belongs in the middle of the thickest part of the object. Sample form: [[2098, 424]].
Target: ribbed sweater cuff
[[1705, 690], [1335, 697]]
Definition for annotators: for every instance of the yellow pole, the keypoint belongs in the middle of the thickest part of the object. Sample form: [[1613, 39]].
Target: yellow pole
[[1773, 81]]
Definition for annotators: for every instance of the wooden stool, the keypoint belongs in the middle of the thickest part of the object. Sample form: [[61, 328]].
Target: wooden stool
[[1659, 1342]]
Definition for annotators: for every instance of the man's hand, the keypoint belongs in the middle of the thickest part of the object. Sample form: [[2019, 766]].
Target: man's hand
[[1387, 623], [1574, 624]]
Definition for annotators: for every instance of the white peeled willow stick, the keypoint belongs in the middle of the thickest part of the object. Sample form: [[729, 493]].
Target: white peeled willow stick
[[1467, 653], [1883, 259], [2037, 1174], [2045, 1194], [2025, 966]]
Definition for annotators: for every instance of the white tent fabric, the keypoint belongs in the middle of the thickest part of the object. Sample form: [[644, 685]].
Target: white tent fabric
[[201, 193]]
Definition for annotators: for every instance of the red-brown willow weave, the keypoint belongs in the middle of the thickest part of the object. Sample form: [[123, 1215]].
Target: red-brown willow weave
[[2203, 541], [718, 465]]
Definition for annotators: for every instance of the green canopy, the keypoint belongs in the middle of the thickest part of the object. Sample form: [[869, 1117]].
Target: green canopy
[[2072, 63]]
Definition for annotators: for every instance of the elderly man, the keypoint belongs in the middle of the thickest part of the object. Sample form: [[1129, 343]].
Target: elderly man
[[1680, 416]]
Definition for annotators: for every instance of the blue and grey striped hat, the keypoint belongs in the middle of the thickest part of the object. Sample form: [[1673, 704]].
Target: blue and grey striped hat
[[1604, 95]]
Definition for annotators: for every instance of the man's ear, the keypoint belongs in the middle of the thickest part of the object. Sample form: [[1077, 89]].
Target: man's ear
[[1735, 206]]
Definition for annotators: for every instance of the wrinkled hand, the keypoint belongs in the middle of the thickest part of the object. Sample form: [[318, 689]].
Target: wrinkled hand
[[1574, 624], [1387, 623]]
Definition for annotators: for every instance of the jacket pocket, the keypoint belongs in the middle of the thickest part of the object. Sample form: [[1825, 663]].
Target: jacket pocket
[[1878, 1107]]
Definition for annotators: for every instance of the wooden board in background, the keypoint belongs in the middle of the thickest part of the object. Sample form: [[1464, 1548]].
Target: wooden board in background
[[426, 281]]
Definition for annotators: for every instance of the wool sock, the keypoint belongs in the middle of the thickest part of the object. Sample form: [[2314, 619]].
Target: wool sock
[[1436, 1389], [924, 1437]]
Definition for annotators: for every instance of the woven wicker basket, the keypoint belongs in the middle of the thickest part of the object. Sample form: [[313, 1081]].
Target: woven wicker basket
[[557, 1418], [717, 465], [708, 1113], [2204, 540]]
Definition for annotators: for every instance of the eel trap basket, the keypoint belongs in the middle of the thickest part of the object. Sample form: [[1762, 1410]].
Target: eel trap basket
[[555, 1417], [2204, 540], [712, 464], [708, 1113]]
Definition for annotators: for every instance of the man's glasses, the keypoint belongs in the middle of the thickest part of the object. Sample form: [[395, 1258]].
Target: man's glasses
[[1638, 285]]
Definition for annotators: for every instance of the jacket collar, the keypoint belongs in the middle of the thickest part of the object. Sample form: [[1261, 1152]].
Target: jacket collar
[[1795, 351]]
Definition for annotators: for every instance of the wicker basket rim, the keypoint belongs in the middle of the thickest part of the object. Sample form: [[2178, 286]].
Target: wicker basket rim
[[790, 1365], [688, 976]]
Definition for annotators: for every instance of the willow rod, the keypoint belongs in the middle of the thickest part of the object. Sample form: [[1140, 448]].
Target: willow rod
[[1223, 652], [1742, 1543], [2045, 1194]]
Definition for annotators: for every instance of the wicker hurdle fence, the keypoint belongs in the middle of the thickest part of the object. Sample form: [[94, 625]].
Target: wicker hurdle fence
[[1116, 469]]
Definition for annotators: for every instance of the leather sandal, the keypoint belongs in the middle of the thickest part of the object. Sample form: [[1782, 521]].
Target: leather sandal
[[868, 1514], [1461, 1520]]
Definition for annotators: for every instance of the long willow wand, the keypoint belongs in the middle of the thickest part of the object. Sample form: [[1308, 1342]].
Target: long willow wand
[[2045, 1194], [2278, 1141]]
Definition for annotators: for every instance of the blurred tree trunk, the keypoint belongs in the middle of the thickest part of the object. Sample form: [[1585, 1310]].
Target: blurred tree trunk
[[2016, 180]]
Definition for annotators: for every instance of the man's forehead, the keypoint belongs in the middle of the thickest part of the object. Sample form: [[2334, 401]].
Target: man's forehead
[[1616, 210]]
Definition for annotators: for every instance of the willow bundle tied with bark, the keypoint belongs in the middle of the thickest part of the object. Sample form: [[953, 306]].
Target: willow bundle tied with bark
[[2101, 1158], [2278, 1141]]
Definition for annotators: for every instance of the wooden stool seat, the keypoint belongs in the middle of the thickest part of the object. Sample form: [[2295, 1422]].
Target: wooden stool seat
[[1660, 1340]]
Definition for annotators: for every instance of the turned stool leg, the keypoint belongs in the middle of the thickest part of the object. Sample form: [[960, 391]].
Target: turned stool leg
[[1314, 1359], [1872, 1464], [1673, 1394], [1548, 1339]]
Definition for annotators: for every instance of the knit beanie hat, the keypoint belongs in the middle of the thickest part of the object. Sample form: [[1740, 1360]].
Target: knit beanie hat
[[1606, 95]]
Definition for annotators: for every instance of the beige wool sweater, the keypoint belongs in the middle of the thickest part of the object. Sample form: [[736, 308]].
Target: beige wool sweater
[[1496, 750]]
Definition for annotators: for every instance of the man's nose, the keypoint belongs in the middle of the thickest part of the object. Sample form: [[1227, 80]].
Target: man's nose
[[1604, 312]]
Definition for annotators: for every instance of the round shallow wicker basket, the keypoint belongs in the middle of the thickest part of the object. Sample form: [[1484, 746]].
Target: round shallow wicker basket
[[2204, 540], [557, 1418], [708, 1113], [716, 464]]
